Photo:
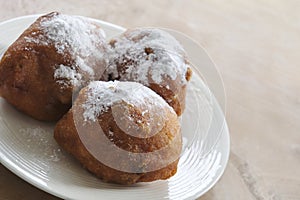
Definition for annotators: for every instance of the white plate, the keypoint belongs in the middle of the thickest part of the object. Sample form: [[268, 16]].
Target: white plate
[[28, 149]]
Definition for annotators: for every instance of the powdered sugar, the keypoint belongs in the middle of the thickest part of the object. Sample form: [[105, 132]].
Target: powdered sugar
[[102, 95], [77, 36], [67, 72], [41, 138], [149, 55], [40, 39]]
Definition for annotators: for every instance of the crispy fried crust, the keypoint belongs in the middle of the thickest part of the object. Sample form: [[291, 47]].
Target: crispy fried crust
[[26, 79], [172, 90], [70, 130], [27, 76]]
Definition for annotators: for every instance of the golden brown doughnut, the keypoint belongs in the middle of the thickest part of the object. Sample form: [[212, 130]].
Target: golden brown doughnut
[[123, 132], [153, 58], [56, 55]]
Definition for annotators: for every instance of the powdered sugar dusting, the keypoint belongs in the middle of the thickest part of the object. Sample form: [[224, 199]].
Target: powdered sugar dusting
[[149, 55], [102, 95], [74, 35], [69, 73], [40, 39], [39, 138]]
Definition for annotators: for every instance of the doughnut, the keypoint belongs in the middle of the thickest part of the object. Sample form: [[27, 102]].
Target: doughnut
[[153, 58], [123, 132], [56, 56]]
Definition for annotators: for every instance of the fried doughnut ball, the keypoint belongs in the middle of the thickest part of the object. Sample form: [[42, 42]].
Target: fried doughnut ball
[[122, 132], [153, 58], [54, 57]]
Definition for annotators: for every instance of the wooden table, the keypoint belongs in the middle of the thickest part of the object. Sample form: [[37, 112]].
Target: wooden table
[[256, 46]]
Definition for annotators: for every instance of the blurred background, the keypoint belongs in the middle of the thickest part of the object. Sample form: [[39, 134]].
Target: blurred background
[[256, 46]]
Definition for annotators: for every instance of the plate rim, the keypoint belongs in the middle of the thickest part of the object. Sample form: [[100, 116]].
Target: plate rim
[[27, 176]]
